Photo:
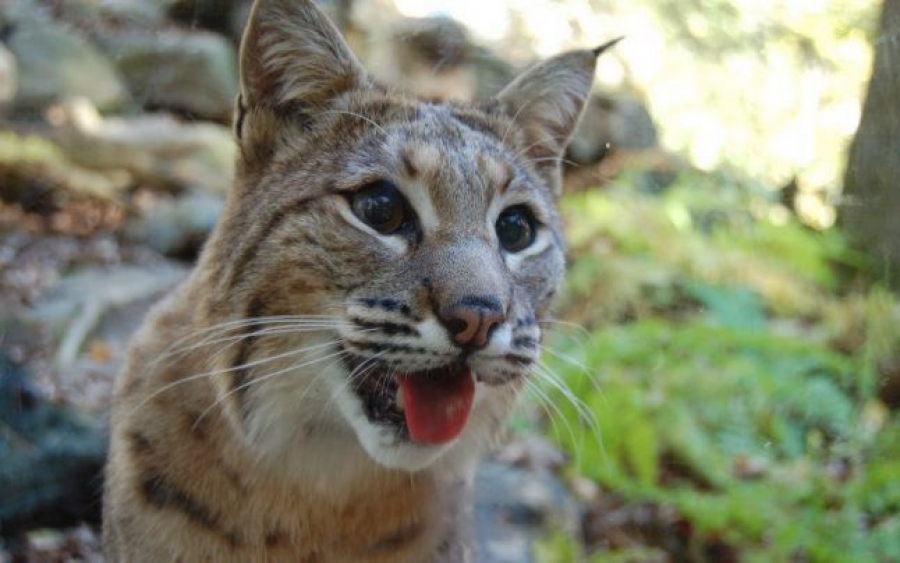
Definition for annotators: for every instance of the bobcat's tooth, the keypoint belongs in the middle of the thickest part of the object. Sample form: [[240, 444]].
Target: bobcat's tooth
[[398, 400]]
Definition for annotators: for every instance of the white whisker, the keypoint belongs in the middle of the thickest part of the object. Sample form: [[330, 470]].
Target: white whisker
[[568, 359], [268, 376], [360, 371], [220, 371], [212, 331], [552, 411], [584, 412], [285, 327]]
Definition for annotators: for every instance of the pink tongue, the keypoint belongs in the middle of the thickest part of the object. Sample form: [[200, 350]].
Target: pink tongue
[[437, 405]]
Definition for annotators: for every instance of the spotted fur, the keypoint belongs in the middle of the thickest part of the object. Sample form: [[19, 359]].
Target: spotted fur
[[246, 424]]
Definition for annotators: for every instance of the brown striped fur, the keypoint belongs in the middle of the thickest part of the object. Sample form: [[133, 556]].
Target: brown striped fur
[[225, 447]]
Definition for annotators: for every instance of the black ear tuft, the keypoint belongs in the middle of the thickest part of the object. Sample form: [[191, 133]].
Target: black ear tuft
[[606, 46]]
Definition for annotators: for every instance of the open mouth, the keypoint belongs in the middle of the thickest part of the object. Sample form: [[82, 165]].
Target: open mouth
[[427, 407]]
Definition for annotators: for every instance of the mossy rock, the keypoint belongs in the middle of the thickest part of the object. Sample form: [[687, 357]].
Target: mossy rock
[[51, 457]]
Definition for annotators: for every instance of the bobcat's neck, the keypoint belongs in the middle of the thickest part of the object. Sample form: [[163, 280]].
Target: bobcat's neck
[[321, 476]]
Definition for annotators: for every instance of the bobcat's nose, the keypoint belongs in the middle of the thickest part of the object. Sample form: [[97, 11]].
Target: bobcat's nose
[[471, 320]]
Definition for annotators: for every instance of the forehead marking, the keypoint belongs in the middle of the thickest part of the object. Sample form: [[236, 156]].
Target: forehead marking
[[421, 160], [408, 165], [422, 166], [497, 173], [419, 197]]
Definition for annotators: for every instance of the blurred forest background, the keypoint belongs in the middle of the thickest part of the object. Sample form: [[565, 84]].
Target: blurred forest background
[[726, 365]]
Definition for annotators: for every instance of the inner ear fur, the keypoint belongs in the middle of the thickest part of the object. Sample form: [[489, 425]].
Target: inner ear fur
[[292, 53], [546, 102], [293, 62]]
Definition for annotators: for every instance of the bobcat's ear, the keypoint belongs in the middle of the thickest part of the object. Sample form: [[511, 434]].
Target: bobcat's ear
[[546, 102], [291, 52]]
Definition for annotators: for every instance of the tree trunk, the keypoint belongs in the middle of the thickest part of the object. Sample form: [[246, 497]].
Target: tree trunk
[[871, 209]]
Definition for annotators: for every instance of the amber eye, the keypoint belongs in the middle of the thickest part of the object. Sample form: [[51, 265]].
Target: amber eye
[[516, 228], [380, 206]]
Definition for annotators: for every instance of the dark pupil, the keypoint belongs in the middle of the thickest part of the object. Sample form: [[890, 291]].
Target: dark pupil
[[381, 207], [514, 230]]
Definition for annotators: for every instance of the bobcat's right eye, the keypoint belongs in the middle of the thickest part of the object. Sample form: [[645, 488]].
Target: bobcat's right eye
[[380, 206], [516, 228]]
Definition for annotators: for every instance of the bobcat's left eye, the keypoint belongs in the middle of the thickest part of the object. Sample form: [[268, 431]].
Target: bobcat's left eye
[[516, 228], [380, 206]]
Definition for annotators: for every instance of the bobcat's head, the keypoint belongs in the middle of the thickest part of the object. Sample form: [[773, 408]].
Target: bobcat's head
[[387, 261]]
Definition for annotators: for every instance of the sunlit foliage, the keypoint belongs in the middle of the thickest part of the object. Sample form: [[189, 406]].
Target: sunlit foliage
[[771, 87], [729, 370]]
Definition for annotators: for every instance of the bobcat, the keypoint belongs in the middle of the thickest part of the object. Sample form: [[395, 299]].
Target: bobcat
[[359, 323]]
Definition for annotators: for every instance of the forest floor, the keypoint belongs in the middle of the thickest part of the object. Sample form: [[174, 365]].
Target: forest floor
[[729, 384]]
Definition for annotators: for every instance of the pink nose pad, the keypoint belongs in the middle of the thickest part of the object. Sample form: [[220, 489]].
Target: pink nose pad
[[470, 325]]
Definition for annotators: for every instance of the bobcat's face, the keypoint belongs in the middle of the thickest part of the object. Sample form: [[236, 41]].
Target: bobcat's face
[[411, 249], [461, 248]]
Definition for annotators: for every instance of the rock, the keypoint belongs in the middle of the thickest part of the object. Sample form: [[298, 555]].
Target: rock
[[191, 72], [156, 148], [617, 133], [126, 12], [32, 261], [40, 304], [424, 56], [55, 62], [431, 57], [177, 227], [229, 17], [51, 457], [614, 522], [35, 174], [239, 18], [9, 81], [75, 307], [165, 5], [491, 72], [216, 15], [533, 453], [134, 11], [513, 507], [98, 16], [611, 123], [339, 11], [75, 544]]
